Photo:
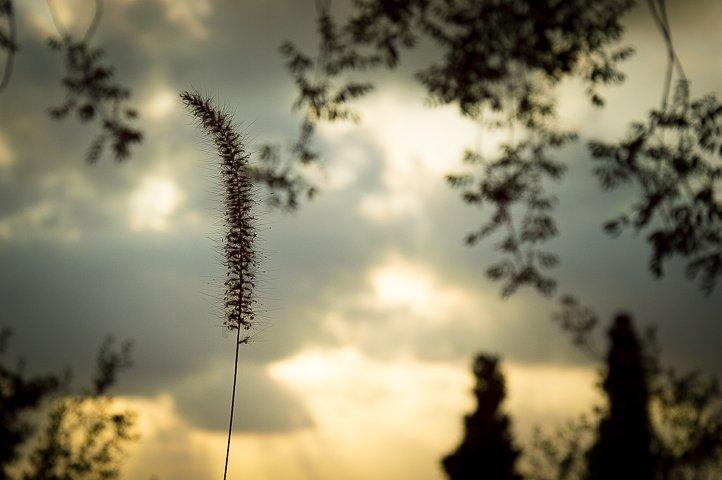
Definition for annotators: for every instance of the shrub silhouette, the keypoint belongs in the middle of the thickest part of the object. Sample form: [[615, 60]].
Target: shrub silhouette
[[19, 394], [487, 449], [48, 432]]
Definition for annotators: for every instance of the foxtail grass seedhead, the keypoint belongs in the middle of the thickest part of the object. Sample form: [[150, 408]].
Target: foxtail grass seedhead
[[240, 231]]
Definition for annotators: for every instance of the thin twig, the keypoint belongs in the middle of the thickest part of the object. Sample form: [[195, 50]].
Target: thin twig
[[92, 28], [56, 19], [12, 47], [97, 15], [661, 19]]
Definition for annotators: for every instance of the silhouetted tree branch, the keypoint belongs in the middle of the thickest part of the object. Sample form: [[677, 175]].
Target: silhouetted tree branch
[[93, 96], [505, 60], [8, 41], [499, 59]]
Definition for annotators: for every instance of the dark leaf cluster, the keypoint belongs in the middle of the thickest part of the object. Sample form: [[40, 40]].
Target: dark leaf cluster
[[276, 171], [92, 95], [675, 160], [486, 46], [513, 187], [8, 40], [578, 320], [20, 394], [489, 44]]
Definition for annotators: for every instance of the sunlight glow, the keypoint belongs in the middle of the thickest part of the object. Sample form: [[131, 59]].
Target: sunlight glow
[[189, 14], [7, 156], [395, 418], [162, 103], [399, 283], [374, 418], [154, 203], [419, 145]]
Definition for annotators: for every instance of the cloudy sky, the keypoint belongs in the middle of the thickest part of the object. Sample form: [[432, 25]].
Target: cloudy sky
[[372, 305]]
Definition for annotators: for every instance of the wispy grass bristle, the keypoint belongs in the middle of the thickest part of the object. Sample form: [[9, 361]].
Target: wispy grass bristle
[[240, 257], [240, 229]]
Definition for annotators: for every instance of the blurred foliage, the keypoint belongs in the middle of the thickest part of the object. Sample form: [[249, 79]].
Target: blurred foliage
[[277, 172], [675, 160], [500, 63], [559, 455], [48, 432], [514, 183], [93, 96], [579, 321], [8, 40], [20, 394]]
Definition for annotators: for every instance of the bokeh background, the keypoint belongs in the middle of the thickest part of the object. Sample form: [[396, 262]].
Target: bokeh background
[[372, 305]]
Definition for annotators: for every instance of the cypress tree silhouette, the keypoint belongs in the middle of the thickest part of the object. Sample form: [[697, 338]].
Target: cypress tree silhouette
[[487, 450], [622, 448]]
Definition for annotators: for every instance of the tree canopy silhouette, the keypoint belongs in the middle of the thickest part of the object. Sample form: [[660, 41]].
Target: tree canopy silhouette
[[487, 449], [500, 63]]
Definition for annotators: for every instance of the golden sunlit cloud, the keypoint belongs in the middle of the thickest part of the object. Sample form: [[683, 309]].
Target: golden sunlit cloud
[[7, 155], [395, 419], [153, 204], [160, 104], [419, 146], [189, 14], [411, 304], [400, 283], [380, 419], [391, 419]]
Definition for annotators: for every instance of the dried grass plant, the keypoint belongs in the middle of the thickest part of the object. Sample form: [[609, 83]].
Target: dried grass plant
[[240, 231]]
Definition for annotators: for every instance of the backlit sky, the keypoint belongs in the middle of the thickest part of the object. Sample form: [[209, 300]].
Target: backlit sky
[[374, 307]]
